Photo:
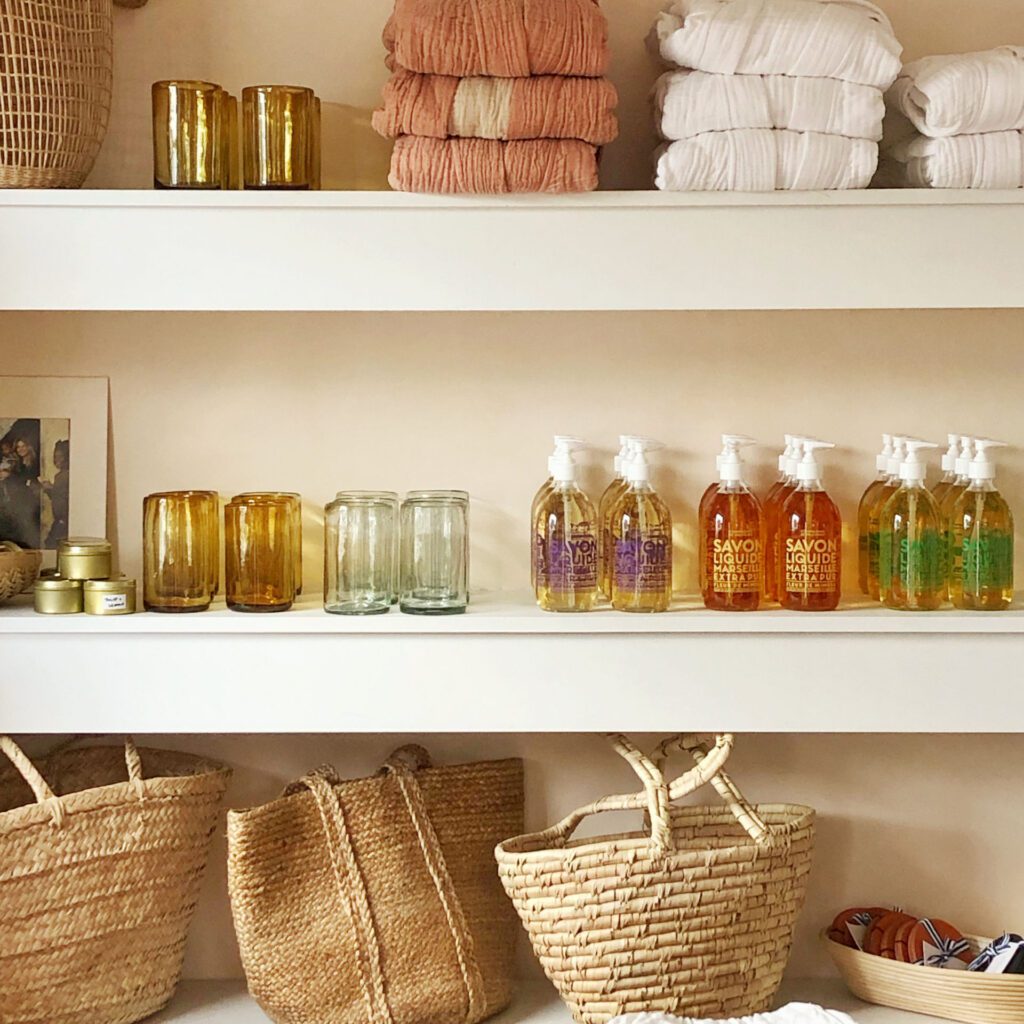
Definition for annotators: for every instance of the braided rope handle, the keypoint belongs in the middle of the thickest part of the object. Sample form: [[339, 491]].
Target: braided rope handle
[[753, 824], [41, 788]]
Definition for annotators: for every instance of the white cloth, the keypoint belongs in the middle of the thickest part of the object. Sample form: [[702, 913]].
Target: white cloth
[[989, 160], [688, 103], [794, 1013], [763, 160], [847, 39], [964, 93]]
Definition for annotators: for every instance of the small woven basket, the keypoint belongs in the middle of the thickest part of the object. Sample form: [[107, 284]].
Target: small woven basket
[[975, 998], [99, 872], [18, 570], [56, 76], [693, 916], [376, 901]]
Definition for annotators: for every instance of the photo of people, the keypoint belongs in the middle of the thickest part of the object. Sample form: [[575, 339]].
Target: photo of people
[[35, 479]]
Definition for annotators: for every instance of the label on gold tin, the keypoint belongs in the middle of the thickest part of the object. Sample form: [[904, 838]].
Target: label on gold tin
[[114, 602]]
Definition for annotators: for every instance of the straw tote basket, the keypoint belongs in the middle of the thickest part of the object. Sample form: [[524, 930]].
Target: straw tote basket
[[56, 75], [692, 916], [18, 568], [956, 995], [101, 854], [376, 901]]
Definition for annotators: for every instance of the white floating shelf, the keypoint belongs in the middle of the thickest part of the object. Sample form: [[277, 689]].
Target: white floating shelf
[[505, 666], [226, 1002], [126, 250]]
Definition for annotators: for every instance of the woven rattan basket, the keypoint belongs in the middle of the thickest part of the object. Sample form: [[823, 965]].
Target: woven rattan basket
[[101, 854], [954, 995], [18, 569], [56, 75], [376, 901], [693, 916]]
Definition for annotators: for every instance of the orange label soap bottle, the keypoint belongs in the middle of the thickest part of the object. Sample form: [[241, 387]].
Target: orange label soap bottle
[[732, 531], [811, 541]]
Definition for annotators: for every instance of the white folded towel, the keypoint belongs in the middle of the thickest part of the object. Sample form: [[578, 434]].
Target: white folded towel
[[964, 93], [763, 160], [847, 39], [794, 1013], [989, 160], [688, 103]]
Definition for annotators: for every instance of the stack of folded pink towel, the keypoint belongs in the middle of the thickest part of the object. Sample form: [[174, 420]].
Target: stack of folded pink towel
[[496, 96]]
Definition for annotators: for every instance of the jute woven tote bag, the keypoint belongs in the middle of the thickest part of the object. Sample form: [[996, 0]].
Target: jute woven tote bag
[[56, 77], [376, 901], [693, 916], [102, 851]]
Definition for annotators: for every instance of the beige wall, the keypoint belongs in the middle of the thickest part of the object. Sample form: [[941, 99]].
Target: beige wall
[[335, 47]]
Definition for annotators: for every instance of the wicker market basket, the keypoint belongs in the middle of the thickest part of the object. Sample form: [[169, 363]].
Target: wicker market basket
[[954, 995], [99, 872], [693, 916], [18, 569], [56, 76]]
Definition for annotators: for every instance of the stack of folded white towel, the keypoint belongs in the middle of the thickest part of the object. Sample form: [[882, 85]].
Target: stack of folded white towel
[[957, 122], [772, 94]]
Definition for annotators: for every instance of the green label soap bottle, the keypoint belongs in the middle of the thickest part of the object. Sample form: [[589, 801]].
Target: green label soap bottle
[[912, 572], [981, 538]]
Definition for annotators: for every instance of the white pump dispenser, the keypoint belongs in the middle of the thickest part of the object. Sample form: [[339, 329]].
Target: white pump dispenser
[[731, 469], [950, 454], [962, 465], [982, 469], [795, 452], [636, 469], [912, 469], [808, 470], [882, 458], [787, 453]]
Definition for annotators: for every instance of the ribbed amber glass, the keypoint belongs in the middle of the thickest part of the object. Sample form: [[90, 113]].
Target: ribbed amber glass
[[259, 566], [181, 550], [279, 137], [187, 135], [295, 506]]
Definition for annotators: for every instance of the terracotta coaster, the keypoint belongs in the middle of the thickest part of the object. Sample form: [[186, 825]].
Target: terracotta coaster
[[873, 939], [950, 938], [839, 930], [901, 941], [889, 935]]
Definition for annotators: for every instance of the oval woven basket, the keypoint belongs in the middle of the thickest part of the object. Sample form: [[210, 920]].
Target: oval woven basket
[[954, 995], [100, 865], [693, 916], [18, 570], [56, 76]]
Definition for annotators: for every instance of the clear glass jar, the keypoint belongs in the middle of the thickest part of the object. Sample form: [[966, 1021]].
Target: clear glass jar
[[259, 564], [392, 497], [180, 550], [435, 553], [360, 528]]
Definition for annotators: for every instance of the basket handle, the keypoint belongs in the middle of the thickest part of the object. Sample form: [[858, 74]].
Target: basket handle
[[412, 757], [709, 769], [28, 771]]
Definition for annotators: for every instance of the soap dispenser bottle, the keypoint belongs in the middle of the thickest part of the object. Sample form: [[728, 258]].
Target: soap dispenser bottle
[[710, 491], [951, 554], [772, 509], [867, 501], [563, 443], [874, 516], [605, 506], [911, 569], [811, 541], [733, 538], [641, 539], [565, 544], [982, 537]]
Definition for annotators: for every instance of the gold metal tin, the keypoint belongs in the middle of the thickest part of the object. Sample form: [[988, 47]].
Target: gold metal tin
[[84, 558], [109, 597], [58, 597]]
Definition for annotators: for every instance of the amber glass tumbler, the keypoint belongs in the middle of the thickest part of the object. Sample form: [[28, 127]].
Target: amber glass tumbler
[[294, 500], [188, 139], [259, 566], [279, 136], [180, 550]]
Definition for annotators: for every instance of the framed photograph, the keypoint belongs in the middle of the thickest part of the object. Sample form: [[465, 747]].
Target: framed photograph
[[53, 459]]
